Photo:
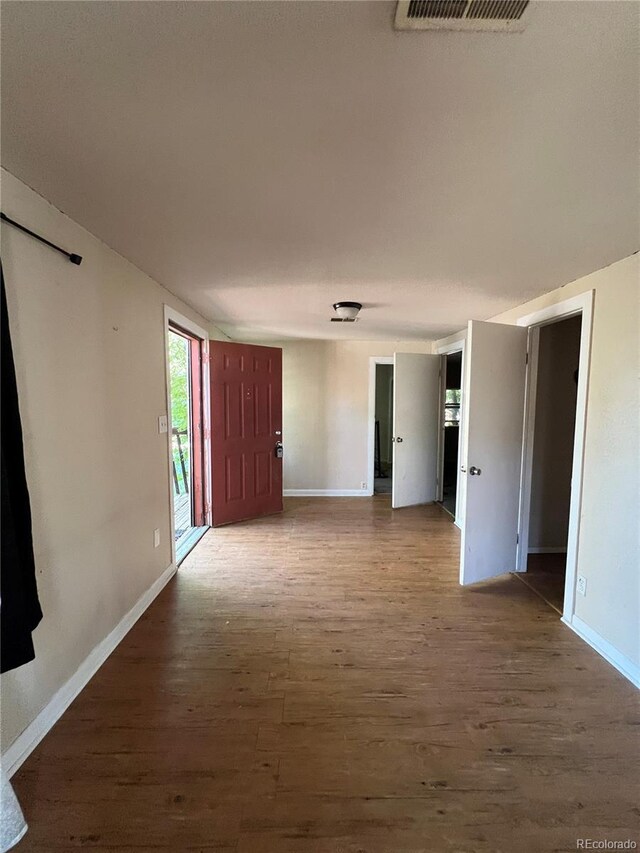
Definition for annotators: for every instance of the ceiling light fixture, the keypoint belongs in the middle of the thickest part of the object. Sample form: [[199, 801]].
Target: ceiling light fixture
[[347, 312]]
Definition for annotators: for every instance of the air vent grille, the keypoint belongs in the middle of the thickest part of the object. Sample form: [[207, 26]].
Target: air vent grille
[[493, 15], [502, 10], [437, 8]]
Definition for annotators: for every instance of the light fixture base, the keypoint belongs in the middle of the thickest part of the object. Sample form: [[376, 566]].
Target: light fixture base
[[346, 311]]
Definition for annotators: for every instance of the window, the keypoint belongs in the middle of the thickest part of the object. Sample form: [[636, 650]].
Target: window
[[453, 397]]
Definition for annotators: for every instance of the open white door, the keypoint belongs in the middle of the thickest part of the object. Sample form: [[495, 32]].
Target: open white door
[[416, 397], [493, 414]]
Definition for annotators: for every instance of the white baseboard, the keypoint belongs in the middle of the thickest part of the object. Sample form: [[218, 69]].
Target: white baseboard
[[622, 663], [26, 742], [559, 549], [326, 493]]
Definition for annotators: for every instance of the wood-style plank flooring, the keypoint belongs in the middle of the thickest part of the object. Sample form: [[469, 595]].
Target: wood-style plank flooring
[[546, 576], [318, 682]]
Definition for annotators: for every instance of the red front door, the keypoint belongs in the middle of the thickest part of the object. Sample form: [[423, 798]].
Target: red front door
[[246, 427]]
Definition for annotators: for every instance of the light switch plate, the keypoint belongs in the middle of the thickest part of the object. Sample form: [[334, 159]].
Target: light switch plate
[[162, 424]]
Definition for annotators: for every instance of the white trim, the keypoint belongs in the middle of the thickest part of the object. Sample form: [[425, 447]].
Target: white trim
[[173, 316], [441, 413], [526, 467], [580, 304], [371, 462], [558, 311], [623, 664], [27, 741], [455, 346], [326, 493], [558, 549]]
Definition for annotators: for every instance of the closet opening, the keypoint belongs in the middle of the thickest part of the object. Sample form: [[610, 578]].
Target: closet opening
[[450, 431], [555, 386]]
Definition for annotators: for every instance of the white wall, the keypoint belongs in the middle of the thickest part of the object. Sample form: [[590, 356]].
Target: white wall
[[326, 409], [89, 350], [609, 546], [555, 418]]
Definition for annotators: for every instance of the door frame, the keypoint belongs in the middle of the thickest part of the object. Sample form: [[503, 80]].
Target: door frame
[[582, 304], [371, 428], [175, 318], [455, 346]]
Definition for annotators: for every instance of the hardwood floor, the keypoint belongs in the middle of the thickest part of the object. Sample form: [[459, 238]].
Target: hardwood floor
[[317, 682], [546, 575]]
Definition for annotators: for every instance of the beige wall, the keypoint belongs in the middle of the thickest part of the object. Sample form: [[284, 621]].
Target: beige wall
[[326, 411], [609, 547], [88, 343], [555, 420], [89, 350]]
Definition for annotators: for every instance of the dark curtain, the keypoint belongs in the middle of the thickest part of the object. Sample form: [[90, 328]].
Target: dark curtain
[[19, 609]]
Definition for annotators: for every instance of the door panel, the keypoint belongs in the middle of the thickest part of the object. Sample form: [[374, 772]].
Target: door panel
[[493, 414], [416, 400], [246, 424], [197, 454]]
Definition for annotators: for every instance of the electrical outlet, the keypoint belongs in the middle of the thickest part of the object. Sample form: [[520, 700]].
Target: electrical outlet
[[162, 424], [156, 537], [582, 585], [363, 486]]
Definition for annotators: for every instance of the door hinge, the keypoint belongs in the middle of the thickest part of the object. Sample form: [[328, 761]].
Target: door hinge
[[517, 538], [526, 358]]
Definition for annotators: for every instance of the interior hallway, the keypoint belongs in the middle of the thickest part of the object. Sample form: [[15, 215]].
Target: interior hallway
[[317, 682], [545, 575]]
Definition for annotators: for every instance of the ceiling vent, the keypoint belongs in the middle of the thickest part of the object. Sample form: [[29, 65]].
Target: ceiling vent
[[488, 15]]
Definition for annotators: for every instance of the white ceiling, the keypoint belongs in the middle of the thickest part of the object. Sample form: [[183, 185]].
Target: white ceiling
[[263, 160]]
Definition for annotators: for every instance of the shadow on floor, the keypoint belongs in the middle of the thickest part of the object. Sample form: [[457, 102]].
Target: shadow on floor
[[545, 575], [382, 485]]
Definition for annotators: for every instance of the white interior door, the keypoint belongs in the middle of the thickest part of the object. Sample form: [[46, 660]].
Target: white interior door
[[493, 414], [416, 398]]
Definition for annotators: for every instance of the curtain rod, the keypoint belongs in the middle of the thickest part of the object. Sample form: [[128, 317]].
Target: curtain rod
[[75, 259]]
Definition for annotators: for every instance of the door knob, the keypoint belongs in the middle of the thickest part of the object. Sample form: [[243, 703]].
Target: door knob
[[473, 471], [399, 440]]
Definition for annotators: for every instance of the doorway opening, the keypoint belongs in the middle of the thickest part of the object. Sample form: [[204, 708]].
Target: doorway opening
[[449, 467], [552, 411], [403, 421], [383, 430], [186, 388]]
